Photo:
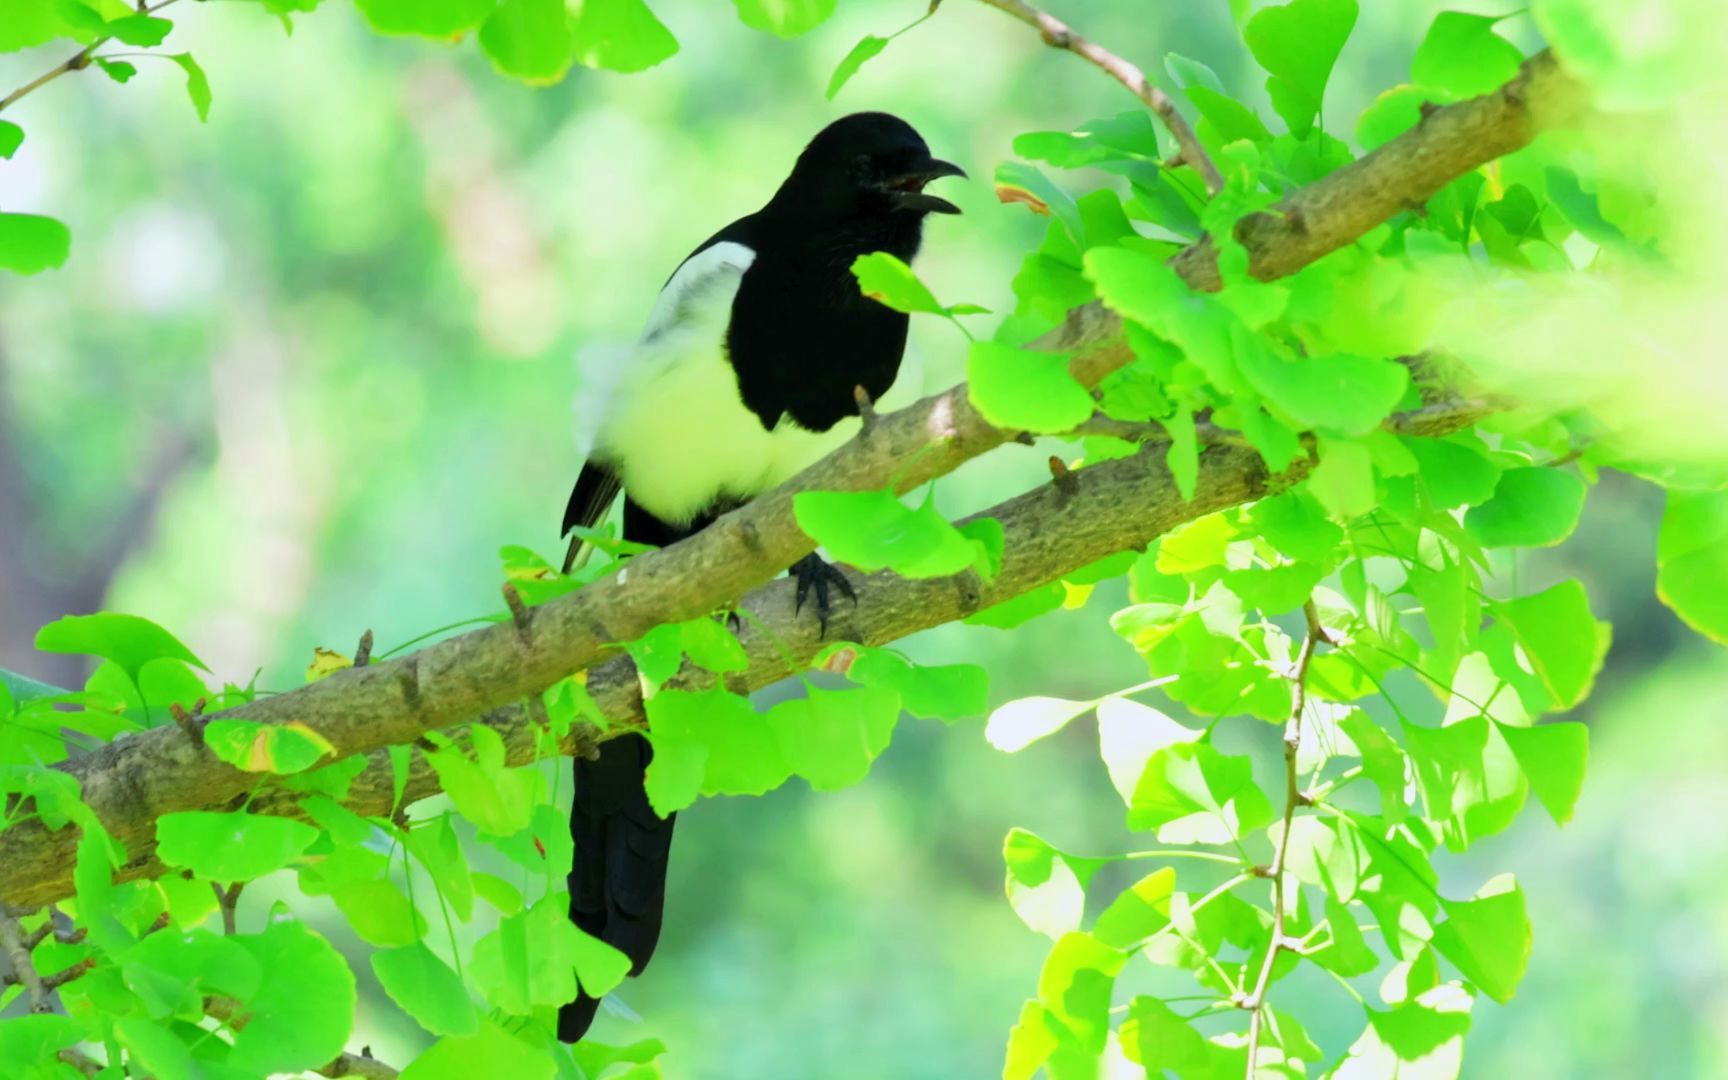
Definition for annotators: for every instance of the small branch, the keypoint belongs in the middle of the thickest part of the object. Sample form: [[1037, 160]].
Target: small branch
[[866, 408], [1062, 476], [188, 723], [1150, 432], [1057, 35], [61, 978], [1435, 416], [1255, 1001], [64, 937], [228, 900], [76, 62], [362, 1065], [363, 651], [23, 968], [519, 611]]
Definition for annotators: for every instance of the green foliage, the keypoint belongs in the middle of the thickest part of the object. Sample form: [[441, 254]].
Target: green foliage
[[436, 19], [1692, 561], [830, 737], [197, 84], [31, 243], [529, 39], [127, 640], [1462, 56], [499, 801], [255, 747], [1023, 390], [868, 48], [1425, 673], [1018, 724], [887, 280], [927, 691], [292, 1026], [710, 743], [620, 35], [234, 846], [873, 530], [489, 1051], [787, 18], [1297, 43], [1531, 507]]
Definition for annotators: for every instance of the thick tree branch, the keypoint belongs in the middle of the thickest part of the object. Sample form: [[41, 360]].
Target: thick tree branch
[[1401, 175], [1108, 508], [133, 781], [1058, 35]]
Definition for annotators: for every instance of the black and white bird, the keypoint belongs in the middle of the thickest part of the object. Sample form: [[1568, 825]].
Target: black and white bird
[[744, 376]]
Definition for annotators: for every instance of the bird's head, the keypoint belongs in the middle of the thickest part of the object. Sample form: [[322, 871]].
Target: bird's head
[[868, 164]]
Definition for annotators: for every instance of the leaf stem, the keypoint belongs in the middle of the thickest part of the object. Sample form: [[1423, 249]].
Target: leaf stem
[[78, 61], [1058, 35], [475, 621], [1170, 927], [1177, 853], [1256, 1000]]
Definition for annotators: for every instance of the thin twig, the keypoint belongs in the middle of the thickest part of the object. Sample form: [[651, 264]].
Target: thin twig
[[187, 722], [363, 1065], [866, 407], [1255, 1001], [1206, 433], [1062, 476], [81, 1061], [49, 927], [23, 969], [66, 975], [1433, 416], [519, 611], [76, 62], [1058, 35], [229, 900]]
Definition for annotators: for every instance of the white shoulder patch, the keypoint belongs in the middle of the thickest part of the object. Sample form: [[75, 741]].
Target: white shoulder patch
[[676, 429], [706, 281]]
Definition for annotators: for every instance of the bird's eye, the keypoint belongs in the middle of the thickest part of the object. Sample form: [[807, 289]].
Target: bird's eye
[[861, 166]]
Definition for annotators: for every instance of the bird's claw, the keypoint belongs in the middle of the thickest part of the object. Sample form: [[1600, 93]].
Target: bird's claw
[[815, 573]]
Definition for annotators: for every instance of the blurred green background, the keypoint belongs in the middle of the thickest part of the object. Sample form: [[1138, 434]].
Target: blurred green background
[[312, 364]]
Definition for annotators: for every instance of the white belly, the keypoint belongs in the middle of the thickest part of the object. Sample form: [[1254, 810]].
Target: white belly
[[676, 428], [680, 436]]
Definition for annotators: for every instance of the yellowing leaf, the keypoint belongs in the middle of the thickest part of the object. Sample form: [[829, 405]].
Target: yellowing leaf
[[326, 662], [1011, 193]]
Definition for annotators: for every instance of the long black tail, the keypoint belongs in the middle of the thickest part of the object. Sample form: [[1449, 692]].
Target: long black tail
[[618, 881]]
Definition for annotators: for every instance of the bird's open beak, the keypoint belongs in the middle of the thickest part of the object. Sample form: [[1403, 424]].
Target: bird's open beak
[[908, 192]]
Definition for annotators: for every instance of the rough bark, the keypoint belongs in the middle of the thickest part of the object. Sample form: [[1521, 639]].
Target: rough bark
[[132, 782]]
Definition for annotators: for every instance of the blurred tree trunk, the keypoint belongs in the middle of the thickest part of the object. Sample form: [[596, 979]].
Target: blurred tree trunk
[[38, 583]]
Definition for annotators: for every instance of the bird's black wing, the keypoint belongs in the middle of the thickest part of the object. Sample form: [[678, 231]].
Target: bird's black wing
[[596, 487]]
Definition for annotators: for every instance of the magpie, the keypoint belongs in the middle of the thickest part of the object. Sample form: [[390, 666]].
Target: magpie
[[745, 374]]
